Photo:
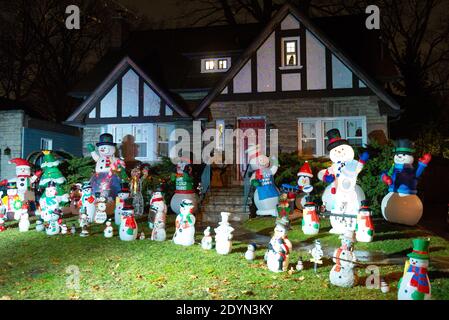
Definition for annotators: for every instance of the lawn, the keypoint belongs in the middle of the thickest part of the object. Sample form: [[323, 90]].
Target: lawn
[[35, 266]]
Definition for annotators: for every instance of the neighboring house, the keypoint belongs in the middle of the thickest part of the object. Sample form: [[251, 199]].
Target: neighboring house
[[23, 131], [299, 76]]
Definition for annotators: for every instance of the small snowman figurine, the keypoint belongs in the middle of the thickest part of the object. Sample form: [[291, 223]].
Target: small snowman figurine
[[279, 249], [342, 273], [142, 236], [223, 235], [40, 225], [87, 201], [185, 224], [54, 223], [415, 283], [250, 253], [158, 209], [158, 233], [317, 255], [84, 233], [73, 229], [2, 222], [364, 229], [206, 242], [24, 223], [84, 220], [64, 229], [109, 230], [120, 202], [128, 225], [310, 220], [100, 213]]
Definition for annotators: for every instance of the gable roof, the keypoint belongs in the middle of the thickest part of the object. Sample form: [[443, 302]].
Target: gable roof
[[271, 26], [113, 76]]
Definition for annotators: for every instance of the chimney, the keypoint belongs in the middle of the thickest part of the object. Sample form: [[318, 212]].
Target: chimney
[[119, 30]]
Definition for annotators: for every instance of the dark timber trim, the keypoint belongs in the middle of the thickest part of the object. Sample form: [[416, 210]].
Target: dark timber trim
[[254, 72], [278, 58], [141, 95], [303, 57], [329, 77]]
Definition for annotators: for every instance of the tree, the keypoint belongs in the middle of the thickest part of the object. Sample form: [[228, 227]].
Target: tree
[[51, 172]]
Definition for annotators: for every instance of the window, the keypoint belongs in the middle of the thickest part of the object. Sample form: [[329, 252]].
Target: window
[[130, 94], [215, 65], [290, 56], [108, 105], [46, 144], [163, 141], [151, 102], [210, 64], [312, 139], [222, 64], [220, 134]]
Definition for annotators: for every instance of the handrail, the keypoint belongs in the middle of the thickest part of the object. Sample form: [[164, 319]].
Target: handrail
[[247, 187]]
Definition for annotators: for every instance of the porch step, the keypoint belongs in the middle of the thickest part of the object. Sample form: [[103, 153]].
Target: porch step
[[228, 199]]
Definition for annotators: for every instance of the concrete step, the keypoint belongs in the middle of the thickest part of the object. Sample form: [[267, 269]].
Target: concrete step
[[224, 200], [223, 207], [215, 218]]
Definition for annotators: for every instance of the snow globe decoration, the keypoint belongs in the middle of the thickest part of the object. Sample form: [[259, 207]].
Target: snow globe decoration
[[123, 194], [266, 196], [223, 235], [342, 197], [310, 223], [136, 193], [100, 212], [415, 283], [206, 242], [342, 273], [185, 224], [250, 253], [87, 201], [401, 204], [128, 225], [184, 187], [304, 184], [277, 256], [364, 230]]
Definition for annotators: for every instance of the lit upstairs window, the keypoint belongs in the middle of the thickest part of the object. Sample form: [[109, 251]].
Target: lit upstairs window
[[291, 53], [222, 64], [211, 65]]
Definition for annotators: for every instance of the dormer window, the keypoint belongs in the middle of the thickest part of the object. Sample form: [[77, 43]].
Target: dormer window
[[215, 65], [290, 53]]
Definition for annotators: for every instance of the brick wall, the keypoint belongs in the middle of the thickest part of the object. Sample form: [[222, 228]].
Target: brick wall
[[11, 123]]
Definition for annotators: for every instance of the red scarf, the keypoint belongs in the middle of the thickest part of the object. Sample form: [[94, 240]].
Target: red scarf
[[338, 265], [259, 174], [368, 222], [314, 216], [419, 279], [130, 223]]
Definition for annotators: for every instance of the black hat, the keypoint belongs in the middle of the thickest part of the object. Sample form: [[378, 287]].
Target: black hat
[[125, 187], [106, 139], [364, 205], [52, 184], [86, 185], [404, 146], [11, 185], [335, 139], [128, 204]]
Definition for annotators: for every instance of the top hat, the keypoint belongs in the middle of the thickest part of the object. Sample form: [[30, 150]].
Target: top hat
[[305, 170], [11, 185], [86, 185], [335, 139], [364, 205], [106, 139], [309, 202], [404, 146], [420, 249], [52, 184], [128, 204], [125, 188]]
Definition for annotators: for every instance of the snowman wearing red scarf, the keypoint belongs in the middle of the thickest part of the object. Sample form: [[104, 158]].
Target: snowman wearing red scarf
[[415, 284], [364, 229], [128, 225], [342, 273], [158, 215]]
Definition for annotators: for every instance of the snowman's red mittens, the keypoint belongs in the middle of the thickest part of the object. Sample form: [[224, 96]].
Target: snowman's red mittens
[[334, 190], [387, 180], [426, 158], [38, 173]]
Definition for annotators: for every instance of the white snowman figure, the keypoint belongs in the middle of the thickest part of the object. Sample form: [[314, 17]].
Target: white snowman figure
[[185, 189], [310, 223], [24, 222], [83, 220], [40, 225], [51, 201], [2, 221], [364, 230], [87, 201], [304, 184], [279, 248], [24, 179], [158, 233], [317, 254], [415, 283], [158, 209], [64, 229], [266, 196], [185, 224], [128, 225], [223, 235], [109, 230], [53, 223], [100, 213], [250, 253], [342, 273], [206, 242], [120, 202], [344, 197]]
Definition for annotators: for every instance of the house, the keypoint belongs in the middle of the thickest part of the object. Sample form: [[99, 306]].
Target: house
[[300, 76], [24, 131]]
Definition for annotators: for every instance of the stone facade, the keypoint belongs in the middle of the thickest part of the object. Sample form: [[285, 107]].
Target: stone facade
[[91, 135], [11, 124]]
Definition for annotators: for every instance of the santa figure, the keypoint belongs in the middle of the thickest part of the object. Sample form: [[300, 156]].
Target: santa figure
[[24, 179]]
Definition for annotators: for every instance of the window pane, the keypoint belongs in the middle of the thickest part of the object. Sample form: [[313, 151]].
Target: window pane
[[291, 60], [354, 128], [308, 147], [141, 133], [222, 64], [93, 113], [121, 131], [162, 133], [357, 142], [168, 111], [209, 64], [108, 106], [163, 149], [291, 46], [151, 102], [130, 94], [142, 149], [308, 130], [341, 75]]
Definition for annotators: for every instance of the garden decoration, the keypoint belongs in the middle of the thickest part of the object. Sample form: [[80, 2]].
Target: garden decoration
[[384, 287], [84, 220], [54, 222], [206, 242], [24, 179], [87, 201], [317, 255], [250, 253], [184, 187], [342, 197], [76, 192], [158, 209], [52, 174], [128, 225], [109, 170], [277, 256], [2, 222], [310, 223], [223, 235], [283, 208], [12, 202], [401, 204], [109, 230], [142, 236], [299, 265], [136, 193], [123, 194], [342, 273], [266, 196], [40, 225], [185, 224], [24, 222], [73, 229], [145, 184], [64, 229], [100, 213], [51, 200], [364, 230], [158, 233], [84, 232], [304, 184], [415, 283]]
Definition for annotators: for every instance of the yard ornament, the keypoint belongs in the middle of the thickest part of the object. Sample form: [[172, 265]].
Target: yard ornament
[[52, 174], [54, 220], [342, 273], [317, 255], [266, 196], [12, 202], [128, 225], [73, 229], [136, 193], [40, 225], [87, 201], [185, 224], [24, 222], [223, 235], [51, 200], [184, 186], [123, 194], [206, 242], [415, 283], [2, 222], [64, 229], [109, 170], [158, 233], [142, 236], [100, 213], [109, 230], [24, 179], [250, 253], [401, 204], [145, 184], [284, 209], [84, 232], [83, 221], [342, 197], [279, 248], [299, 265], [158, 208], [304, 184], [310, 220], [364, 230]]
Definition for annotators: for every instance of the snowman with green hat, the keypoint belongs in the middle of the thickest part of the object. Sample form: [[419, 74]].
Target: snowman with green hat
[[51, 200], [415, 283]]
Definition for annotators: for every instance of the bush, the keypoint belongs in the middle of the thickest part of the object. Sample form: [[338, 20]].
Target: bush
[[77, 170]]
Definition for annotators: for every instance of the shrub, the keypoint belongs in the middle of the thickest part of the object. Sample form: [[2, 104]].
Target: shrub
[[77, 170]]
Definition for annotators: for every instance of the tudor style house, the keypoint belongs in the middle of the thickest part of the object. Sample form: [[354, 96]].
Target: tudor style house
[[300, 76]]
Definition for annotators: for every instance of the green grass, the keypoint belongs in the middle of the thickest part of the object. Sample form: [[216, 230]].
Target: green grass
[[33, 266]]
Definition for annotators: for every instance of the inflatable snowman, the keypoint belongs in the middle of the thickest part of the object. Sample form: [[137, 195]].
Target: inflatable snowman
[[185, 224], [342, 273], [51, 201], [304, 185], [184, 187], [415, 284], [12, 203], [342, 197], [401, 204], [266, 197]]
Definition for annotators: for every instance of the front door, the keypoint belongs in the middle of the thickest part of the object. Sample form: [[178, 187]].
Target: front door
[[245, 124]]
